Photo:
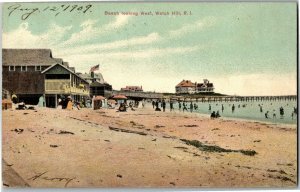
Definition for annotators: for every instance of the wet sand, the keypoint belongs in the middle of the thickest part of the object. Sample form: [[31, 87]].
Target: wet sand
[[145, 148]]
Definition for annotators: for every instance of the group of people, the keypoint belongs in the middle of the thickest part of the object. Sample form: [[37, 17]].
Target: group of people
[[123, 106], [184, 106], [68, 103], [215, 115], [281, 112]]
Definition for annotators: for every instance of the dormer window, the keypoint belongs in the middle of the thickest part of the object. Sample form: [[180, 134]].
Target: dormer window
[[38, 68], [12, 68], [23, 68]]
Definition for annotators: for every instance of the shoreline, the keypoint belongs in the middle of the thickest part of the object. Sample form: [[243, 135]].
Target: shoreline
[[203, 115]]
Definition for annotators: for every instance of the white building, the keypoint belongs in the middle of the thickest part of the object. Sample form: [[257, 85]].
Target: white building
[[186, 86]]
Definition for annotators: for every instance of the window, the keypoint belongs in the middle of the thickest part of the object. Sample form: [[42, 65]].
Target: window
[[23, 68], [38, 68], [12, 68]]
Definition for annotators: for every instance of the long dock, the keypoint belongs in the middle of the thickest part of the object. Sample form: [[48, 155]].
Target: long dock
[[204, 98], [237, 98]]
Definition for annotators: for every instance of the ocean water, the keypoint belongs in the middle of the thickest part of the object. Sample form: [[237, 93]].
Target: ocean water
[[249, 110]]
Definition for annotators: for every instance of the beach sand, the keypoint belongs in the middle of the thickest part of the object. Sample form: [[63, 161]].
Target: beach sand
[[144, 148]]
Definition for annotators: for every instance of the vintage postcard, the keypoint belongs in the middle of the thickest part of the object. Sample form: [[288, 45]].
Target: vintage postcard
[[140, 94]]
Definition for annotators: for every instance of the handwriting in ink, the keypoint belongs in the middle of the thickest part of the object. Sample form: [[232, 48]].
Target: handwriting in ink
[[64, 8], [26, 11], [40, 176]]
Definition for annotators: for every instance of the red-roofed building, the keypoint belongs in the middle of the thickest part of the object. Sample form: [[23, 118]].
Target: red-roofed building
[[133, 88], [185, 86]]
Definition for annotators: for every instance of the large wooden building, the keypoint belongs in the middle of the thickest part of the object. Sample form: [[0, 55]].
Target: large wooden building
[[34, 75]]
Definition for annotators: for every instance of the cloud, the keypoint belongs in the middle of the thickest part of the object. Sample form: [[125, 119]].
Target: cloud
[[23, 38], [123, 57], [90, 30], [196, 26], [120, 21], [100, 47]]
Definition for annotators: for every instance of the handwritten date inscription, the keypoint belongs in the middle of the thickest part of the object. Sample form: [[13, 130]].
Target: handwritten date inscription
[[26, 12]]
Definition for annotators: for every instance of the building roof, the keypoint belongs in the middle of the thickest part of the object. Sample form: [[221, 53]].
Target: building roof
[[97, 76], [98, 84], [72, 69], [211, 85], [29, 57], [65, 64], [66, 69], [186, 83], [59, 60]]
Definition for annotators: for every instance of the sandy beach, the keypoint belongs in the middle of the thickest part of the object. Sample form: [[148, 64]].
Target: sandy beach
[[144, 148]]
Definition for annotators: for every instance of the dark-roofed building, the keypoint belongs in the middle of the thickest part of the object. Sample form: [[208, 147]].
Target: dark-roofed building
[[97, 84], [22, 72], [25, 73], [205, 87], [61, 81], [103, 89]]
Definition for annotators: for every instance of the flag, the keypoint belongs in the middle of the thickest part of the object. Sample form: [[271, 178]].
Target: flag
[[95, 68]]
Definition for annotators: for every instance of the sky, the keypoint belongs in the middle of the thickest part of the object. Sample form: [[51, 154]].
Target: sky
[[243, 48]]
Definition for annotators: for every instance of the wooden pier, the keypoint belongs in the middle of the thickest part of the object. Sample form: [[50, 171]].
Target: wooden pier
[[236, 98], [201, 98]]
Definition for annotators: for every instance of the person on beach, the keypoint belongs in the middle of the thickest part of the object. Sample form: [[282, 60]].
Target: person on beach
[[153, 104], [260, 108], [156, 104], [14, 98], [281, 110], [195, 106], [233, 108], [184, 107], [179, 106], [70, 104], [163, 105], [191, 107], [267, 115], [218, 114], [131, 103], [209, 107], [293, 115], [22, 105], [122, 107], [171, 106], [222, 108], [213, 115]]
